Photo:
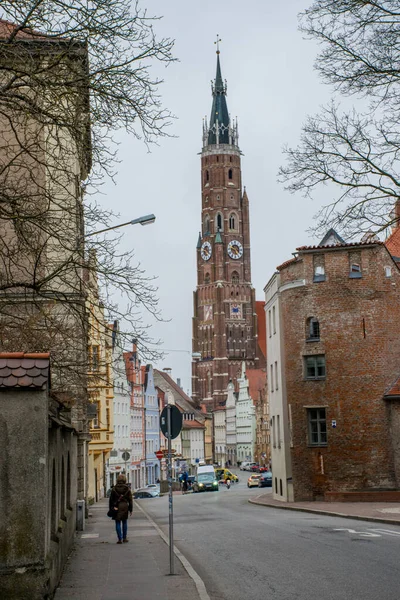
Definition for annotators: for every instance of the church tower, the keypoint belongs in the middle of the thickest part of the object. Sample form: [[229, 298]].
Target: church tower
[[225, 320]]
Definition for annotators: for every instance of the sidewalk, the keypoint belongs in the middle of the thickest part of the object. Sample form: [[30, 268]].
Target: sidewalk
[[101, 569], [380, 512]]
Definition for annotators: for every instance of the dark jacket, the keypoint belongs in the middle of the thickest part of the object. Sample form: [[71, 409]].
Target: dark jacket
[[121, 498]]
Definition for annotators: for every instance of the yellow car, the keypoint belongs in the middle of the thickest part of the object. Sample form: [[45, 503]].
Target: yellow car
[[253, 480], [224, 474]]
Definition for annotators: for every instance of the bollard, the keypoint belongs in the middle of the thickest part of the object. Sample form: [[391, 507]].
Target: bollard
[[80, 515]]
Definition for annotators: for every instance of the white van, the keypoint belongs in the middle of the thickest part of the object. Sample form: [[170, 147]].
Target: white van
[[246, 466], [205, 469]]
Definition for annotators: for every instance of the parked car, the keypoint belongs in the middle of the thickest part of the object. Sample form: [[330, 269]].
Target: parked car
[[255, 468], [246, 466], [263, 469], [146, 493], [153, 486], [265, 479], [253, 480]]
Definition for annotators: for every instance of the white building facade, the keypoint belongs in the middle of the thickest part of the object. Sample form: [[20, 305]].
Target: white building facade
[[245, 421], [231, 441], [279, 410], [219, 416]]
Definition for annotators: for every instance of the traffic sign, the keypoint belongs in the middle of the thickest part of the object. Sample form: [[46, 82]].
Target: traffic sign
[[126, 456], [176, 421], [159, 454]]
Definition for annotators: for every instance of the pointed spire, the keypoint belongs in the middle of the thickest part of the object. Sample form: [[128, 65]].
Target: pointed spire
[[218, 239], [220, 130], [199, 241]]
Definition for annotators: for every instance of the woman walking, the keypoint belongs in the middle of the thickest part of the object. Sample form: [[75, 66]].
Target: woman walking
[[121, 503]]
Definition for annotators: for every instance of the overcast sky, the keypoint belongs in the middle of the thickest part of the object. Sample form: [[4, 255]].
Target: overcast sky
[[271, 88]]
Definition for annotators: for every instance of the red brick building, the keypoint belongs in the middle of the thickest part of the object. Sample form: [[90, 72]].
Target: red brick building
[[225, 317], [339, 307]]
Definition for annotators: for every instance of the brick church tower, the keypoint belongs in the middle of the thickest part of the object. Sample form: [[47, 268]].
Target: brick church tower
[[225, 319]]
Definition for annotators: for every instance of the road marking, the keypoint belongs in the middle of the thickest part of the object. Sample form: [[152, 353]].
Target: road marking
[[89, 535], [199, 583], [361, 533], [387, 531]]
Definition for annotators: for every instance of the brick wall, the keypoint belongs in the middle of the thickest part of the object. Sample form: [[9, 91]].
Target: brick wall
[[359, 323]]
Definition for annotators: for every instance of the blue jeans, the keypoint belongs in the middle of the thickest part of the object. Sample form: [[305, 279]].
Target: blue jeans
[[124, 528]]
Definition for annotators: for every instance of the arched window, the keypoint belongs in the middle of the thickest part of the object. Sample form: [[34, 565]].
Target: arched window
[[219, 222], [207, 278], [207, 175], [230, 173], [232, 221], [235, 277], [206, 225], [312, 329]]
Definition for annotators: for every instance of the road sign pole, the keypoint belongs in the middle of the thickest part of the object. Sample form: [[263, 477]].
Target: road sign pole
[[170, 510]]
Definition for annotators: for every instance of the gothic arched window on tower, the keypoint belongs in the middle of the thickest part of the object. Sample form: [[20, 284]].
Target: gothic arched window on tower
[[232, 222], [207, 175], [230, 173], [235, 277], [206, 225], [219, 222]]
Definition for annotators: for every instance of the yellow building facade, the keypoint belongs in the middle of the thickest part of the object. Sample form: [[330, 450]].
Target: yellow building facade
[[101, 395]]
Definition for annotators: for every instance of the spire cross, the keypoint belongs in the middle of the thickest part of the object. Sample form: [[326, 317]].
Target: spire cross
[[218, 40]]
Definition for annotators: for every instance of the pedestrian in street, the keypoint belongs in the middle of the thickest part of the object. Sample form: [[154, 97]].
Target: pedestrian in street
[[121, 503]]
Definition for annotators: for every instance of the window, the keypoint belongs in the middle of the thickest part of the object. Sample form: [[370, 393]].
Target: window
[[230, 173], [95, 358], [319, 267], [235, 277], [207, 278], [276, 375], [388, 271], [315, 367], [232, 221], [269, 323], [272, 378], [355, 271], [206, 225], [219, 222], [312, 329], [317, 434], [273, 319], [207, 176]]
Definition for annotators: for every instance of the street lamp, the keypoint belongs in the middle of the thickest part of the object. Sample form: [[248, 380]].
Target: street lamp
[[146, 220]]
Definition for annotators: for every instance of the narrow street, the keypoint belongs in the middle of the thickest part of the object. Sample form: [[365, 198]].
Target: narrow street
[[242, 551]]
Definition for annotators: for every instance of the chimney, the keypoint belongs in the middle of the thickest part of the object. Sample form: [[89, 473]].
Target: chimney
[[178, 381]]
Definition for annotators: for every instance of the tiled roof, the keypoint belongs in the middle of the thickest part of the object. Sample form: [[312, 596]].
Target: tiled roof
[[261, 327], [176, 387], [395, 389], [7, 28], [286, 263], [393, 243], [257, 379], [339, 246], [20, 370]]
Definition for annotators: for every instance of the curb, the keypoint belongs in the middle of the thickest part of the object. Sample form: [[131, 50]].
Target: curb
[[327, 513], [199, 583]]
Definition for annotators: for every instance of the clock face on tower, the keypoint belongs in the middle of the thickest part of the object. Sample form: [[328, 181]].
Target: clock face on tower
[[206, 251], [235, 249]]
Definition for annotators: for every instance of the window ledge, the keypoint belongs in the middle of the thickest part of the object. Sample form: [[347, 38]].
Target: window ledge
[[317, 445], [318, 278], [314, 378], [313, 339], [355, 275]]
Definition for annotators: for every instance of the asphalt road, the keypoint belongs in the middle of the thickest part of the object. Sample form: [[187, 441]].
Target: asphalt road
[[247, 552]]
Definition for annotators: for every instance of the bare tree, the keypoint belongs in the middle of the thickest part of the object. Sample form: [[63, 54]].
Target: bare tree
[[356, 151], [71, 75]]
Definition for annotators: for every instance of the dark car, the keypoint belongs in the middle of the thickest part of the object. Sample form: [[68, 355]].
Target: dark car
[[265, 479], [145, 494]]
